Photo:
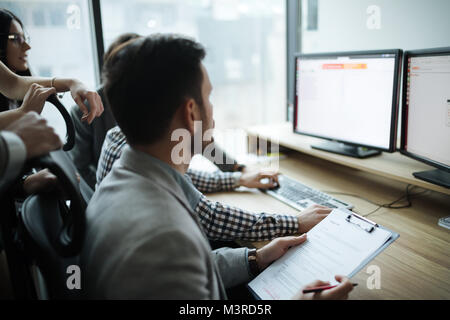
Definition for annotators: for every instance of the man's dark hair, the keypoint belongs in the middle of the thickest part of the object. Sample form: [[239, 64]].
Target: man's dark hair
[[148, 79]]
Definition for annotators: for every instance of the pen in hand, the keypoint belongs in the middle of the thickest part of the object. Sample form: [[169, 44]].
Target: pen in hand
[[321, 288]]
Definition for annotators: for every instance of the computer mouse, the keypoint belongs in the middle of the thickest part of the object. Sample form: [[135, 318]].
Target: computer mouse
[[275, 187], [267, 181]]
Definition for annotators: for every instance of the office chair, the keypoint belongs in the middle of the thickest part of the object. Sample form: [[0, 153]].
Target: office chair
[[44, 236], [52, 230]]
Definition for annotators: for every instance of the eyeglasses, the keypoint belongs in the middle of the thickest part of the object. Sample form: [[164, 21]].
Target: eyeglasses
[[17, 38]]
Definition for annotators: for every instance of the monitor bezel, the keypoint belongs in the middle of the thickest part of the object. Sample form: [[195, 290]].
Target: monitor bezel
[[442, 51], [395, 96]]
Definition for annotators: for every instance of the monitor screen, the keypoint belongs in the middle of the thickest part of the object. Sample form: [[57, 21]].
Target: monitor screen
[[348, 97], [426, 116]]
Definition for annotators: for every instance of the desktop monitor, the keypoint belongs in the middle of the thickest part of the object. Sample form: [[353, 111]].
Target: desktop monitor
[[426, 112], [349, 98]]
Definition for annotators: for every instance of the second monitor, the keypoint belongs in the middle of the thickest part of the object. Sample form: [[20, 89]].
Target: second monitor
[[350, 98]]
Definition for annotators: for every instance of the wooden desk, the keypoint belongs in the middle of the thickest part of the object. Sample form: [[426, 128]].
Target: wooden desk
[[394, 166], [415, 266]]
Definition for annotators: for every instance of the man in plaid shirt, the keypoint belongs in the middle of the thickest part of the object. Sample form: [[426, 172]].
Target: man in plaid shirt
[[220, 221]]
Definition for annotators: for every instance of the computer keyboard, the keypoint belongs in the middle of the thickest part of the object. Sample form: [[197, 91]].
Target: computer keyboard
[[300, 196]]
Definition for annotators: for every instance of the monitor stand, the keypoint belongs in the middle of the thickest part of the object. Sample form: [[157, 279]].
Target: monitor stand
[[346, 149], [436, 176]]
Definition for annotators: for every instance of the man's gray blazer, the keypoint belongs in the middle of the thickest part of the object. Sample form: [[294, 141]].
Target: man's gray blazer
[[145, 242]]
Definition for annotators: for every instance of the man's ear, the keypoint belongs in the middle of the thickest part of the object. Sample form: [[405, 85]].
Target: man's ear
[[190, 114]]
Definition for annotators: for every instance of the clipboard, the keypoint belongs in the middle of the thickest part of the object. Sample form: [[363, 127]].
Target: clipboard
[[394, 236], [366, 226]]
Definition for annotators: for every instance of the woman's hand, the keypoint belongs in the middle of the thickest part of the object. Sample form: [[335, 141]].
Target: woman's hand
[[79, 94], [35, 98]]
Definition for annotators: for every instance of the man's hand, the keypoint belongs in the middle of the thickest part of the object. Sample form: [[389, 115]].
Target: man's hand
[[311, 216], [79, 94], [35, 97], [276, 249], [42, 181], [339, 293], [252, 179], [38, 137]]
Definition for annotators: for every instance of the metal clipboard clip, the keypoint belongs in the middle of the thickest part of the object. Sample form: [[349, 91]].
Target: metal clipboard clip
[[372, 224]]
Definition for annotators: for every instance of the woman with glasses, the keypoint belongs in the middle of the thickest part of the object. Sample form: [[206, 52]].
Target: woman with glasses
[[14, 47], [13, 51]]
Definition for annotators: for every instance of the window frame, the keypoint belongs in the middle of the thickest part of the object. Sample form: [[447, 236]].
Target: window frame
[[95, 14], [293, 34]]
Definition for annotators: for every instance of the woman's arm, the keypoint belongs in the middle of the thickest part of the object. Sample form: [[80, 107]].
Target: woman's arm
[[15, 87]]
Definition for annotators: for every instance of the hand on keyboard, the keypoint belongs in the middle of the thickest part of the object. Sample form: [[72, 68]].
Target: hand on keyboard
[[311, 216], [262, 179]]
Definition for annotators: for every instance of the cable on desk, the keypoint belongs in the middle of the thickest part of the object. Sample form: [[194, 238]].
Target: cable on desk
[[391, 205]]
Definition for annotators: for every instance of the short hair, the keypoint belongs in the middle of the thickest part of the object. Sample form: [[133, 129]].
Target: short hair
[[147, 79], [125, 37]]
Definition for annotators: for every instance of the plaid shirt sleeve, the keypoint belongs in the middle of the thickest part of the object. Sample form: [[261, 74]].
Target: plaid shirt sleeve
[[112, 147], [222, 222], [207, 182]]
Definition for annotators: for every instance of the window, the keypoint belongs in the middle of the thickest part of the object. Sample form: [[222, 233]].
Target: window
[[245, 42]]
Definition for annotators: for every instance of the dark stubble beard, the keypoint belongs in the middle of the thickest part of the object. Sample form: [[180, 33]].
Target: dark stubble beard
[[204, 144]]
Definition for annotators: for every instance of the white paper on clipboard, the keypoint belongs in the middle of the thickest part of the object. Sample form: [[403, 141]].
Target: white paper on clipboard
[[334, 246]]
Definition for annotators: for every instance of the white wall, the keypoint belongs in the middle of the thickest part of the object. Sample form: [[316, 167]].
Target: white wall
[[355, 25]]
